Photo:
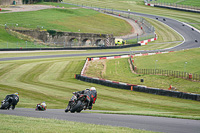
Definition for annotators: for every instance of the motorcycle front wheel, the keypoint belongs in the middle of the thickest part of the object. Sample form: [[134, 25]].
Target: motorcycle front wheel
[[5, 105], [73, 109]]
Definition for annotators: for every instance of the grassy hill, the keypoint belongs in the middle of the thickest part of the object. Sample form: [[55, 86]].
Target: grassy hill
[[69, 19]]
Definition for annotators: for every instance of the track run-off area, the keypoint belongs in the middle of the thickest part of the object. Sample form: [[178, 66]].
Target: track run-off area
[[160, 124]]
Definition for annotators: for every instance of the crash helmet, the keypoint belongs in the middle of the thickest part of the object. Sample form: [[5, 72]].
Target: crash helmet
[[43, 103], [92, 89], [16, 94]]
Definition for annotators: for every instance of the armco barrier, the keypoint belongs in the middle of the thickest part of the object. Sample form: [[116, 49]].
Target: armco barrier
[[132, 87], [70, 48]]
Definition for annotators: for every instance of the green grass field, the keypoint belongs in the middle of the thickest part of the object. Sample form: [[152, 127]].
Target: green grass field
[[71, 20]]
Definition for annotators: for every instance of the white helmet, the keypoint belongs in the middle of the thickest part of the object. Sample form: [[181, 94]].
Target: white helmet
[[93, 88]]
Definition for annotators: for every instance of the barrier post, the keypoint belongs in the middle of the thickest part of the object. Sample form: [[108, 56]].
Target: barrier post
[[170, 87], [190, 76], [131, 88]]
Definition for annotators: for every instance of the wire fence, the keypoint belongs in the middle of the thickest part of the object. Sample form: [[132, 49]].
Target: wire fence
[[175, 74]]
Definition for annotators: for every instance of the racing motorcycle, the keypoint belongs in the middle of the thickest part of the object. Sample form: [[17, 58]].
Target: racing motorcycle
[[77, 103], [5, 104], [40, 107]]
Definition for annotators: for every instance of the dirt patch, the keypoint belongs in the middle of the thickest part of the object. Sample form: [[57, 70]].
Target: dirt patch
[[98, 66]]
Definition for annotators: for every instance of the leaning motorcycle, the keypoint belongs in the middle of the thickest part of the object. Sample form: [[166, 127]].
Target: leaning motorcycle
[[6, 103], [78, 102]]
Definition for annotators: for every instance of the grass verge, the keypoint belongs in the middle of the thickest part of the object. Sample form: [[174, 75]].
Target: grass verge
[[19, 124]]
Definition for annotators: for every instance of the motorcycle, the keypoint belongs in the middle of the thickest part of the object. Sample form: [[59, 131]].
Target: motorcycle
[[77, 103], [40, 107], [5, 104]]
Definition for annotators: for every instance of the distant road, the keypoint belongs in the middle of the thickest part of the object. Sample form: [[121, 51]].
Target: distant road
[[159, 124], [189, 34]]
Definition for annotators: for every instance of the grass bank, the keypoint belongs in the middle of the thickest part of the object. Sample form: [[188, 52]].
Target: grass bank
[[70, 20]]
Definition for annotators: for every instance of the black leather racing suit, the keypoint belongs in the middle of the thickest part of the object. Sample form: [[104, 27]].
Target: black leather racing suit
[[92, 94], [13, 100]]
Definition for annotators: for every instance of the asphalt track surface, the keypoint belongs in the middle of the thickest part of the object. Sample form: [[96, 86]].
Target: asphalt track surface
[[169, 125], [158, 124]]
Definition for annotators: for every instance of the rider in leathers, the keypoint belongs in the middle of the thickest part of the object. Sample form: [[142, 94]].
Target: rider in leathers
[[13, 98], [91, 93]]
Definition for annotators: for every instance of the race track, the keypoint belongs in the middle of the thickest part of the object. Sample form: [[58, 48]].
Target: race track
[[169, 125], [160, 124]]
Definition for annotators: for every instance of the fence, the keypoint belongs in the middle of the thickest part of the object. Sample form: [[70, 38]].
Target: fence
[[176, 74]]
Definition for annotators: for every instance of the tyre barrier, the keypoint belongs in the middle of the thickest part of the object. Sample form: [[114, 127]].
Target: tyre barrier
[[139, 88]]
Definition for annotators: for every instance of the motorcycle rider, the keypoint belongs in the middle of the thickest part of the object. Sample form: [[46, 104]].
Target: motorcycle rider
[[93, 97], [41, 106], [13, 99], [91, 93]]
